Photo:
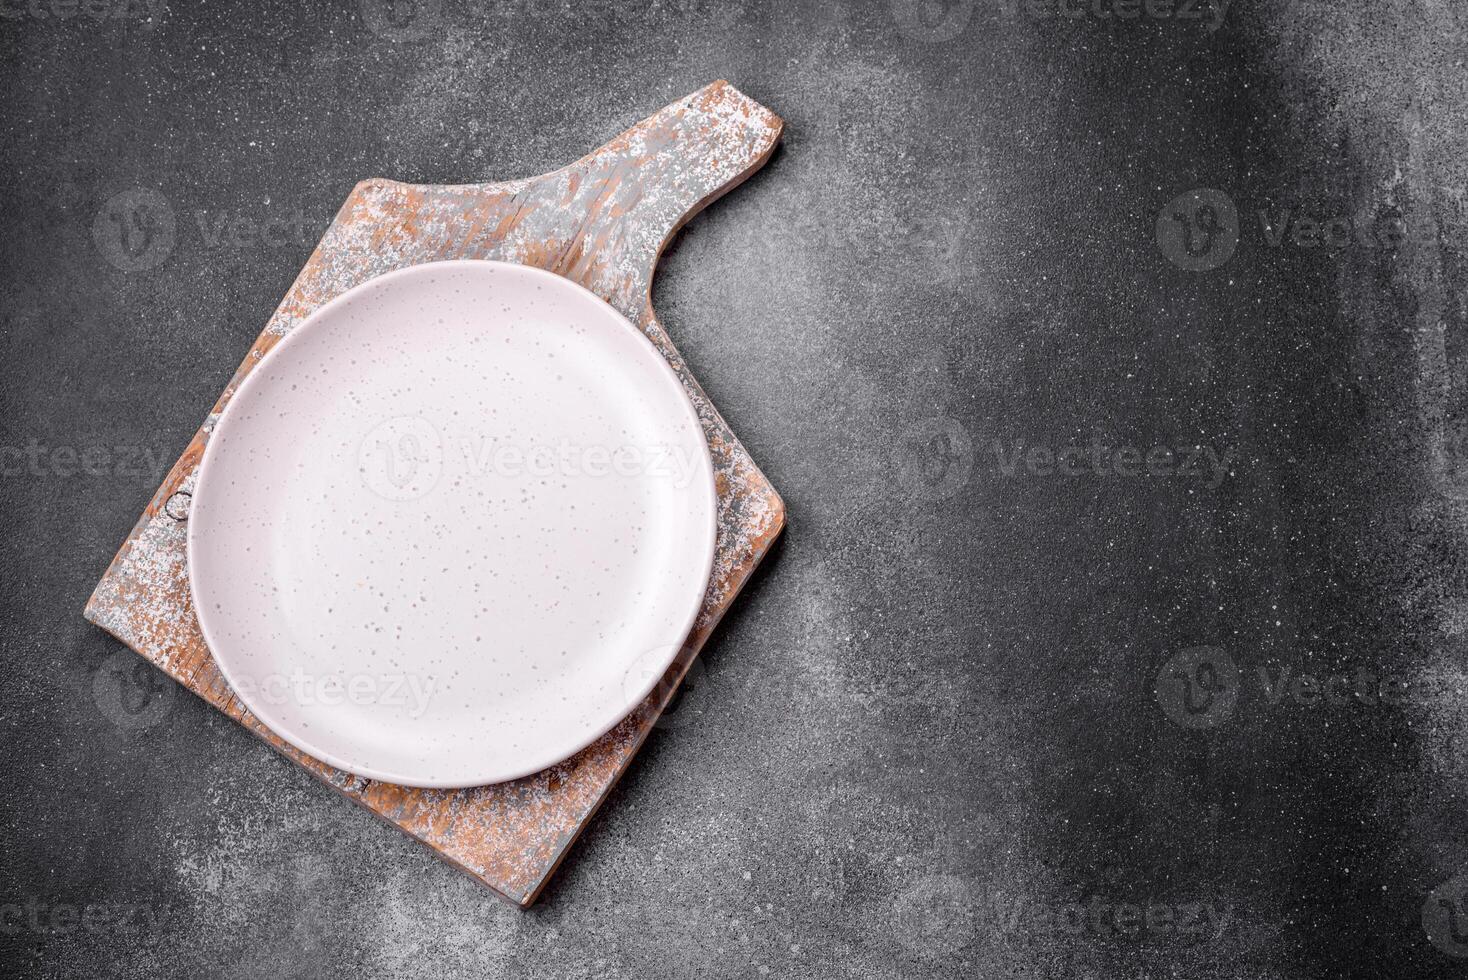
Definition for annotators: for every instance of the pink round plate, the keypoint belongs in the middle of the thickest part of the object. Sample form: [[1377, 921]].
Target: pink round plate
[[453, 527]]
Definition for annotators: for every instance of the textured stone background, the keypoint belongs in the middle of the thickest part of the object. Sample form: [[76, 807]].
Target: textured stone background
[[976, 716]]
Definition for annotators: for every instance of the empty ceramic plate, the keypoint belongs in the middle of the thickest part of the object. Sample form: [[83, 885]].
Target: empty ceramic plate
[[453, 527]]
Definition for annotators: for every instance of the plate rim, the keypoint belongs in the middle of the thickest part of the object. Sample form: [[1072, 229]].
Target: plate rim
[[656, 668]]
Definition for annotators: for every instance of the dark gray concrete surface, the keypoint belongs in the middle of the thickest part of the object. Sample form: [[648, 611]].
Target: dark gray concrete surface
[[977, 716]]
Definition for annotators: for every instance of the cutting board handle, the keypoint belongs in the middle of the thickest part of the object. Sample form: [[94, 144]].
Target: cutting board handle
[[601, 221], [641, 187]]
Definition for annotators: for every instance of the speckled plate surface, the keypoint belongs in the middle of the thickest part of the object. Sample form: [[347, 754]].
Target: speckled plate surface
[[454, 527]]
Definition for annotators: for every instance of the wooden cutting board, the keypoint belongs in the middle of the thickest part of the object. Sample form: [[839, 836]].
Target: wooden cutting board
[[601, 221]]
